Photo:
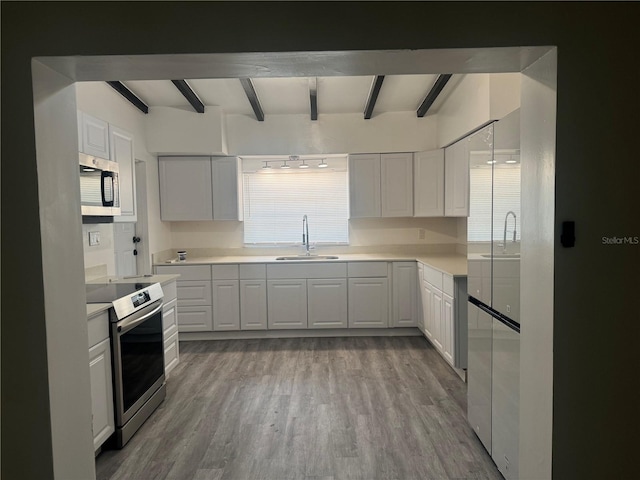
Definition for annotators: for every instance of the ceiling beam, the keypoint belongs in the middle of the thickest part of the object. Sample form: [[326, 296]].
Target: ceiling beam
[[189, 94], [253, 98], [439, 84], [313, 97], [373, 96], [122, 89]]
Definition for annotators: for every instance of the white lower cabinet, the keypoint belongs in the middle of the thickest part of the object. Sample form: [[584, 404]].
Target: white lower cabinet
[[444, 314], [103, 420], [171, 353], [436, 318], [368, 303], [194, 294], [195, 318], [446, 328], [287, 304], [327, 303], [317, 295], [427, 309], [170, 335], [404, 298], [253, 304], [170, 326], [226, 305]]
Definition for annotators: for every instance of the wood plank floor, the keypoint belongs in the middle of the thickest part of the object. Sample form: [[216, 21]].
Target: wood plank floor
[[306, 408]]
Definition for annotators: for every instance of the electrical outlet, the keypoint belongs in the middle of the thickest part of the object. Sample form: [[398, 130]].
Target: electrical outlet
[[94, 239], [421, 233]]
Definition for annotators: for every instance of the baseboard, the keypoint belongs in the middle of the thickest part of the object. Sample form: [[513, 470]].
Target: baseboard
[[332, 332]]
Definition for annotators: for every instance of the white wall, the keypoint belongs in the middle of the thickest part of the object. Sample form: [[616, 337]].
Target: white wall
[[102, 254], [336, 133], [183, 131], [69, 387], [362, 232], [475, 100], [100, 100], [538, 145]]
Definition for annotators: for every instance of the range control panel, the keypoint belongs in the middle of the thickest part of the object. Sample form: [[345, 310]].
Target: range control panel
[[140, 298]]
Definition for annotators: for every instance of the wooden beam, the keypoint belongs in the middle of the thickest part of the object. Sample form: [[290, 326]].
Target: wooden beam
[[189, 94], [313, 97], [439, 84], [373, 96], [129, 95], [253, 98]]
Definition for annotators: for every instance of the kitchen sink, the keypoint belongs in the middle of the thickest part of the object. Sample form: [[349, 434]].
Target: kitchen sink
[[309, 257], [503, 255]]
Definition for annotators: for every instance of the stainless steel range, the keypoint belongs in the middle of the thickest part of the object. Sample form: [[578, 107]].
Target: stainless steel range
[[137, 351]]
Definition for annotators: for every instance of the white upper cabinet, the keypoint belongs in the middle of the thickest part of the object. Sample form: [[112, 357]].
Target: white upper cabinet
[[381, 185], [200, 188], [428, 178], [364, 185], [456, 174], [121, 148], [185, 188], [94, 136], [225, 177], [396, 184]]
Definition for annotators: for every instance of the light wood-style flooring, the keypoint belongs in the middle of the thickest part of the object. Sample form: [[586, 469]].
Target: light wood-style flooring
[[306, 408]]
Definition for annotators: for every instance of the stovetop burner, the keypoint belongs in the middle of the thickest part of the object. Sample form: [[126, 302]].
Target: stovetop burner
[[110, 292]]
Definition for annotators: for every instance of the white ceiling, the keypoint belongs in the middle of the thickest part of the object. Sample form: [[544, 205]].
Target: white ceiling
[[337, 94]]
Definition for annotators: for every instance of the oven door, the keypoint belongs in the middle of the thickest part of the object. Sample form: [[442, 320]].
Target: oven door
[[138, 360]]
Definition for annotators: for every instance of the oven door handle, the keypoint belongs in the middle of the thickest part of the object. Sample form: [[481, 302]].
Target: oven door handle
[[128, 323]]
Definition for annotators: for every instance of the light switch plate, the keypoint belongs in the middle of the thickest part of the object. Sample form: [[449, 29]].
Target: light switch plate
[[94, 239]]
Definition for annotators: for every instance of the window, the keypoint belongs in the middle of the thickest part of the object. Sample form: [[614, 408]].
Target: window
[[275, 200], [506, 197]]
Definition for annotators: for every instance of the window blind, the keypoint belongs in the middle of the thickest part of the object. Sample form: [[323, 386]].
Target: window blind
[[274, 204], [506, 197]]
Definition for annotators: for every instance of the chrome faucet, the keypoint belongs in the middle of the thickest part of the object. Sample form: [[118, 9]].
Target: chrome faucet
[[305, 234], [504, 239]]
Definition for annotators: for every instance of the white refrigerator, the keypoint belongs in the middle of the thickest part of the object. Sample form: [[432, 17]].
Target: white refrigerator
[[493, 259]]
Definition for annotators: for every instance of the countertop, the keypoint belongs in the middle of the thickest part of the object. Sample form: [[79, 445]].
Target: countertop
[[94, 309], [161, 279], [451, 264]]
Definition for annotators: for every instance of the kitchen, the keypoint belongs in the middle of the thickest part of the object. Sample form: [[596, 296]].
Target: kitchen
[[564, 106], [391, 243]]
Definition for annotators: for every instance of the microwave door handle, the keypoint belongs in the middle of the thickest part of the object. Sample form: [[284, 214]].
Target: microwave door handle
[[105, 202]]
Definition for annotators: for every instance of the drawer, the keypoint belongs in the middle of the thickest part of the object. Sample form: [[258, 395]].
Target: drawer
[[447, 284], [98, 328], [433, 276], [224, 272], [187, 272], [194, 293], [171, 353], [307, 270], [253, 271], [170, 291], [367, 269], [195, 319], [170, 318]]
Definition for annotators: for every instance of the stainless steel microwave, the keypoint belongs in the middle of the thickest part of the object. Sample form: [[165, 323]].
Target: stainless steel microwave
[[99, 189]]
